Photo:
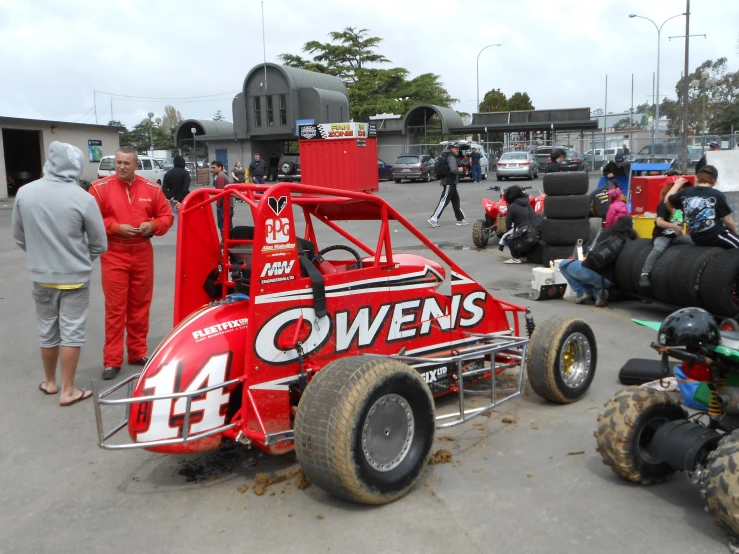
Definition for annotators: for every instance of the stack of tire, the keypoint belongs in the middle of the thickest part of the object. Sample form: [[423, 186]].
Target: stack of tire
[[566, 214], [683, 276]]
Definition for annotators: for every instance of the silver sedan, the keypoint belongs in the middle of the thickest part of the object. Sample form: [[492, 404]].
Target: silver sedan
[[517, 164]]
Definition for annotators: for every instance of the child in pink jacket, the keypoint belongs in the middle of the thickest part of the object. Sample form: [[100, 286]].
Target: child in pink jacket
[[617, 208]]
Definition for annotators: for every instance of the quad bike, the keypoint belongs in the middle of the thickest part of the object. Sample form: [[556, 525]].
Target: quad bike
[[495, 212], [275, 346], [645, 434]]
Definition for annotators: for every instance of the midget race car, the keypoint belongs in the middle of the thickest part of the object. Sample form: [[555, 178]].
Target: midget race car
[[278, 345]]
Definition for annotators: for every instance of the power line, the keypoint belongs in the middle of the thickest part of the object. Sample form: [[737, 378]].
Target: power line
[[166, 98], [225, 99], [84, 114]]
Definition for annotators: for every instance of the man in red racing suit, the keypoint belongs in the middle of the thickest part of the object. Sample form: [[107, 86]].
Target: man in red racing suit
[[134, 209]]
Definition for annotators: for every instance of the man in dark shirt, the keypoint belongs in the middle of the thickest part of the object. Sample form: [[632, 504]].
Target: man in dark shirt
[[706, 210], [475, 163], [713, 147], [617, 168], [274, 161], [176, 185], [257, 170]]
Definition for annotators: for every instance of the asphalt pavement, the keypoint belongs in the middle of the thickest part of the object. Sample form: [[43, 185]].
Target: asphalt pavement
[[532, 486]]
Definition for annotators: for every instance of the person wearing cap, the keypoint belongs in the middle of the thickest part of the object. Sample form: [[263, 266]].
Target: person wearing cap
[[449, 191], [705, 209], [617, 168], [713, 146]]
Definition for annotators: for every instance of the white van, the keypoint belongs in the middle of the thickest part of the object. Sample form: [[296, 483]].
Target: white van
[[148, 168], [465, 149]]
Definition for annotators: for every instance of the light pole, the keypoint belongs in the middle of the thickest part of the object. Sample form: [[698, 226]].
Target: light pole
[[478, 73], [195, 152], [704, 84], [151, 133], [659, 32]]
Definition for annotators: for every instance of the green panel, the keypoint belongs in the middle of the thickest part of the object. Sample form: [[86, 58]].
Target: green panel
[[655, 325]]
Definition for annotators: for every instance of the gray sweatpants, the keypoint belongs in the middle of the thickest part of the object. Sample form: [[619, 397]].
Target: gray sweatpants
[[660, 245]]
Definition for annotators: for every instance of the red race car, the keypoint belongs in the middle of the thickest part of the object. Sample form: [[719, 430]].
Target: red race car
[[278, 347], [495, 212]]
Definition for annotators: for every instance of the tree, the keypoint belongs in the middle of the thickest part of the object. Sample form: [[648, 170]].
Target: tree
[[171, 119], [218, 116], [494, 101], [140, 137], [624, 124], [520, 102]]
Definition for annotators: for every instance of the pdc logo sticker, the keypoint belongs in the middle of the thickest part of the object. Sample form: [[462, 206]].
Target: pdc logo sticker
[[308, 131]]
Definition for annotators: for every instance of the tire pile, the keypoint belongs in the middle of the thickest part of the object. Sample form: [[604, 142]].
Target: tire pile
[[683, 276], [566, 214]]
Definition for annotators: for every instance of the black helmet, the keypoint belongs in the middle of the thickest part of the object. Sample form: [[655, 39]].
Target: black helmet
[[689, 327]]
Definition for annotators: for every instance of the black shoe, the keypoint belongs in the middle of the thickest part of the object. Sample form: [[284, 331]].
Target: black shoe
[[142, 361], [110, 372], [644, 281]]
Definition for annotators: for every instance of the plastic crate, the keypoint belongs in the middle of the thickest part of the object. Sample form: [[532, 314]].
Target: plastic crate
[[644, 225]]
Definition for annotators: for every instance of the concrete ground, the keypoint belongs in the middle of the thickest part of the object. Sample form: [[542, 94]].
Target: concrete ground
[[536, 486]]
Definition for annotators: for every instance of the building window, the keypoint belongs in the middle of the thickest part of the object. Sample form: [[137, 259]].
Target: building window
[[270, 112], [257, 113], [283, 109]]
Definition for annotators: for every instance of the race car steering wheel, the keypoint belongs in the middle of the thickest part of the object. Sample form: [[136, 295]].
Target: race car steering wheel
[[342, 247]]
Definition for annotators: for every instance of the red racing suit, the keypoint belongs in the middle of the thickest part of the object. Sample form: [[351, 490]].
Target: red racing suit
[[128, 265]]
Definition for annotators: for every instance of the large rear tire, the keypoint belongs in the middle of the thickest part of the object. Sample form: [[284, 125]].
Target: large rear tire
[[626, 427], [673, 260], [479, 235], [561, 359], [685, 284], [364, 429], [564, 232], [719, 284], [566, 183], [720, 484], [576, 206]]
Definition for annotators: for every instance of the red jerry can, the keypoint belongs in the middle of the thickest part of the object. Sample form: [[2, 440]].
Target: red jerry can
[[646, 191], [339, 156]]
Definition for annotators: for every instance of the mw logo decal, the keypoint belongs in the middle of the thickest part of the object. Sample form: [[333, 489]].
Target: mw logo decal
[[277, 268]]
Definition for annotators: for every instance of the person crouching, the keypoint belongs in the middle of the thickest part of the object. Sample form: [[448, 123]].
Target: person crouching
[[519, 219]]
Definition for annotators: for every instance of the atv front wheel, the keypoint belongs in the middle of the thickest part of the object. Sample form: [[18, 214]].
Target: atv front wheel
[[480, 235], [720, 484], [364, 429], [626, 428], [561, 359]]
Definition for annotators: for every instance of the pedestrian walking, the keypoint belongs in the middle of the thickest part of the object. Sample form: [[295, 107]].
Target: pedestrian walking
[[705, 209], [176, 185], [61, 230], [475, 164], [447, 170], [274, 162], [134, 209], [258, 169], [220, 180]]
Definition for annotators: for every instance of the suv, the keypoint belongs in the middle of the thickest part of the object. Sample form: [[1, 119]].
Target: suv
[[288, 168], [148, 168], [414, 167]]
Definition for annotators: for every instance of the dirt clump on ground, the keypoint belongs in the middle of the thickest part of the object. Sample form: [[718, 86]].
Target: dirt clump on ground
[[576, 453], [301, 481], [508, 420], [262, 481], [445, 438], [441, 457]]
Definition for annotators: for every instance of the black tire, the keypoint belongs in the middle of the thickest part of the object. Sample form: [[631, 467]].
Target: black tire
[[499, 177], [550, 253], [637, 265], [567, 207], [563, 232], [287, 167], [334, 437], [720, 484], [672, 260], [536, 254], [719, 284], [547, 363], [566, 184], [625, 428], [625, 264], [479, 235], [485, 176], [685, 284], [397, 180], [530, 176]]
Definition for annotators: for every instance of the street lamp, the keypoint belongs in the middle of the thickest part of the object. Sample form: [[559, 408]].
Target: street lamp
[[659, 32], [151, 133], [478, 73], [195, 150], [704, 84]]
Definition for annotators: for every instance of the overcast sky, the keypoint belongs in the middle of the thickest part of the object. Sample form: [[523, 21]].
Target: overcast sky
[[54, 53]]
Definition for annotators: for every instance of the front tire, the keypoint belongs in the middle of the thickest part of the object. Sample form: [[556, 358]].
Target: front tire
[[626, 427], [720, 484], [364, 429], [499, 177], [561, 359], [479, 235], [397, 180]]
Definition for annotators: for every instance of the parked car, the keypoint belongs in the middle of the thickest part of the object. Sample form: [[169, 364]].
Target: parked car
[[574, 161], [594, 157], [517, 164], [542, 155], [673, 161], [664, 149], [148, 168], [288, 168], [384, 171], [414, 167]]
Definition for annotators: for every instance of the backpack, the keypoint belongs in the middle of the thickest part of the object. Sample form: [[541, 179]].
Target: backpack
[[441, 169], [604, 253]]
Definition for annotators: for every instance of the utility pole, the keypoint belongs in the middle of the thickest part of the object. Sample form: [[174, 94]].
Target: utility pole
[[95, 102], [112, 117], [686, 85]]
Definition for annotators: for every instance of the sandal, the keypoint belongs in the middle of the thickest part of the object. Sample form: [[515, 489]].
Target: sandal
[[83, 396]]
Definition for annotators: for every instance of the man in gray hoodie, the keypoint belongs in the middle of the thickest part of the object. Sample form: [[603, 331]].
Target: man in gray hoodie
[[59, 226]]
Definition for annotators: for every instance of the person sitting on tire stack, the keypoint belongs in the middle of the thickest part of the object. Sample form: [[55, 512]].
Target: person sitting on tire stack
[[617, 208], [592, 277], [706, 210], [668, 230], [519, 220], [618, 168], [557, 157]]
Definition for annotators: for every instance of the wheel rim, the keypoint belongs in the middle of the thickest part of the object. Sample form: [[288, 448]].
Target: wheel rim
[[575, 360], [387, 433]]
